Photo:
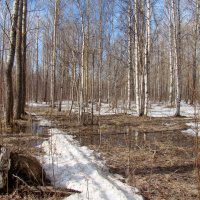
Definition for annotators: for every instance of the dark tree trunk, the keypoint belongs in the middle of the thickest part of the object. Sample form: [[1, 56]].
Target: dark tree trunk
[[61, 88], [10, 62], [19, 62]]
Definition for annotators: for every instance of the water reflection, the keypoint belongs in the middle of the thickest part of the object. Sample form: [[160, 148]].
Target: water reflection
[[129, 136], [34, 128]]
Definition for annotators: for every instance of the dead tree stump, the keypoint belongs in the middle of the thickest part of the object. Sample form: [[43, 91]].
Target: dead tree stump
[[26, 175], [17, 169]]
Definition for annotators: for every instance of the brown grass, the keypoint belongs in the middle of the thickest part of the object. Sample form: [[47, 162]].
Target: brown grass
[[160, 162]]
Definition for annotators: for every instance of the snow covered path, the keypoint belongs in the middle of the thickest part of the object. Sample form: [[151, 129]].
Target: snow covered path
[[77, 168]]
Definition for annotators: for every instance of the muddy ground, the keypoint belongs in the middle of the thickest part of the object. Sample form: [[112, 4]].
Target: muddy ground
[[149, 153]]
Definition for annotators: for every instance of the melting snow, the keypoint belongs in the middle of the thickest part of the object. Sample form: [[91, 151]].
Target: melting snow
[[193, 130], [43, 122], [76, 167], [156, 110]]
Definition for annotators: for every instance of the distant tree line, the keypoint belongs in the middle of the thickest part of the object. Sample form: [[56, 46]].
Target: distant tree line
[[127, 52]]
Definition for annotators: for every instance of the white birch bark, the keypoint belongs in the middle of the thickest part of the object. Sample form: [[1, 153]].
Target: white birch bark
[[147, 58], [82, 70], [52, 92], [87, 78], [176, 32], [171, 66], [129, 56], [101, 50], [137, 89], [24, 48], [37, 62]]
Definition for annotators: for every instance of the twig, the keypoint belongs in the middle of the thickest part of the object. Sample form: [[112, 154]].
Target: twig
[[17, 177], [9, 12]]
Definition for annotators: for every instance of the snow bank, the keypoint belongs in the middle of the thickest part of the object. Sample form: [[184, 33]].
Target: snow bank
[[70, 165], [161, 110]]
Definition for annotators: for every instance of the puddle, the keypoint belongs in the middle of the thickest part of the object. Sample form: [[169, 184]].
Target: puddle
[[129, 136], [34, 129]]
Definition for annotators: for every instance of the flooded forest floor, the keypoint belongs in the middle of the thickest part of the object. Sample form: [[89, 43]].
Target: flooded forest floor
[[149, 153]]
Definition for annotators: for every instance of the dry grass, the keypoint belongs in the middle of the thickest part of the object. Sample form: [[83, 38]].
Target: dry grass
[[150, 153]]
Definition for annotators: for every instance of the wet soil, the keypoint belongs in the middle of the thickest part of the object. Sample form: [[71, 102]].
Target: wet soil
[[24, 137], [151, 154]]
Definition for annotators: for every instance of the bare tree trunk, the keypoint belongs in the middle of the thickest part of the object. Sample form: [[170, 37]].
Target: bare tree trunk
[[37, 62], [19, 64], [129, 55], [93, 63], [61, 88], [171, 64], [147, 58], [52, 92], [73, 77], [82, 70], [137, 86], [177, 42], [24, 35], [87, 55], [10, 62], [46, 72], [47, 61], [101, 51], [109, 80], [2, 60], [194, 68]]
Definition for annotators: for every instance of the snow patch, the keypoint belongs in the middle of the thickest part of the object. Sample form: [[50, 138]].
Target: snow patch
[[155, 110], [38, 104], [43, 122], [73, 166], [193, 130]]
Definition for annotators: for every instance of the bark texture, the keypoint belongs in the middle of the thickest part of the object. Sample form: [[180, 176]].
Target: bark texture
[[9, 67], [24, 35], [18, 106]]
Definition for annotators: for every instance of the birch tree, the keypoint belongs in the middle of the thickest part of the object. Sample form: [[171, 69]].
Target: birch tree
[[147, 57], [171, 64], [177, 48], [24, 48], [87, 70], [82, 71], [130, 53], [137, 86], [100, 52], [37, 62], [56, 16]]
